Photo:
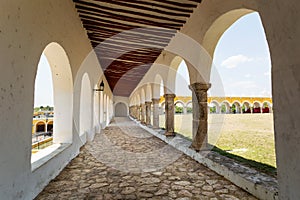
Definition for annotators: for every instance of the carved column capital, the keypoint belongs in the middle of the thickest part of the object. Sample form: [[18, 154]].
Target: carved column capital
[[169, 96], [155, 101], [199, 87]]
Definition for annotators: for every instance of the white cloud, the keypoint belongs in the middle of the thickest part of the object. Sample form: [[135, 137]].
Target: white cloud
[[234, 61]]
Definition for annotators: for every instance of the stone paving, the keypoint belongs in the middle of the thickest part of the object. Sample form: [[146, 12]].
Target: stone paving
[[127, 162]]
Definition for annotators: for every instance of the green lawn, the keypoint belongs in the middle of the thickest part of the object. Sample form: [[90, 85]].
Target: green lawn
[[250, 136]]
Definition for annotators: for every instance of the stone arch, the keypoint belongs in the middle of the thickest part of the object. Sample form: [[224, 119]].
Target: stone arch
[[105, 109], [40, 126], [138, 99], [50, 126], [189, 107], [96, 107], [182, 79], [215, 107], [266, 107], [246, 107], [225, 107], [157, 85], [162, 108], [220, 25], [256, 107], [182, 107], [148, 94], [85, 115], [143, 96], [108, 110], [237, 106], [121, 109], [172, 75], [62, 92]]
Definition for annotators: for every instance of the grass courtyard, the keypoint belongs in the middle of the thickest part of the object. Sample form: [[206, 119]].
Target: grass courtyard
[[250, 136]]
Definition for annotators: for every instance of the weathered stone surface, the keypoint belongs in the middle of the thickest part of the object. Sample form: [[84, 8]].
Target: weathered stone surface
[[86, 177], [185, 193], [128, 190], [183, 183], [161, 192]]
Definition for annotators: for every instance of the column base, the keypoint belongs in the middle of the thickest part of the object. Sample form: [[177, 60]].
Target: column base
[[170, 134], [198, 148]]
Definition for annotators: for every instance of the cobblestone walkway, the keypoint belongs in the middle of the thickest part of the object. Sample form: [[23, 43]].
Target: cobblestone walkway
[[126, 162]]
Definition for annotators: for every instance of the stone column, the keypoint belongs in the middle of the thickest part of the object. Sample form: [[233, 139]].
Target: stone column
[[148, 113], [138, 112], [200, 126], [131, 111], [155, 113], [169, 112], [143, 112]]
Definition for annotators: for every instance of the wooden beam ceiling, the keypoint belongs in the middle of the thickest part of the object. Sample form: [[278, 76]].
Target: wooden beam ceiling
[[128, 35]]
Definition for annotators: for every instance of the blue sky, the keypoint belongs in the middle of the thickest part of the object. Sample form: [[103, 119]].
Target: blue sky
[[241, 58], [43, 84]]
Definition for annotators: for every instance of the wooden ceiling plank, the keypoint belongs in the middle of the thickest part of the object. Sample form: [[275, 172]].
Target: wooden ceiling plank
[[92, 5], [143, 7]]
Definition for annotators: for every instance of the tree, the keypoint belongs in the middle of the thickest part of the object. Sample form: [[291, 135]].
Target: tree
[[213, 109], [178, 109], [233, 109], [223, 109]]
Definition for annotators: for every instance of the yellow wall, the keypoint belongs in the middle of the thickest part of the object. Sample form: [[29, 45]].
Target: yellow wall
[[36, 120], [251, 100]]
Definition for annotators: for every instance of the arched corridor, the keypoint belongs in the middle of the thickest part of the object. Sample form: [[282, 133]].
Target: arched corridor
[[101, 53], [120, 110]]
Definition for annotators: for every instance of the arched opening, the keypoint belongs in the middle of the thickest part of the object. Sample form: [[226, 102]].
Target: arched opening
[[246, 108], [236, 108], [256, 107], [53, 101], [108, 110], [50, 127], [157, 93], [96, 111], [242, 58], [121, 110], [182, 120], [85, 107], [266, 108], [189, 107], [179, 107], [214, 107], [40, 127], [225, 107]]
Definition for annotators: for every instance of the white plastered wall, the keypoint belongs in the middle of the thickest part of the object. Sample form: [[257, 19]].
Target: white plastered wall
[[26, 29]]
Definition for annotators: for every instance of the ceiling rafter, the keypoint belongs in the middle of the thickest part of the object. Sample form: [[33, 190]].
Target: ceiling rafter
[[129, 35]]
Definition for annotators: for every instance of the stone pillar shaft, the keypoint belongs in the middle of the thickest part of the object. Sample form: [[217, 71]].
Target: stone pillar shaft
[[155, 113], [169, 112], [148, 113], [139, 112], [200, 114], [143, 111]]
